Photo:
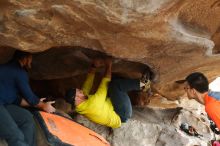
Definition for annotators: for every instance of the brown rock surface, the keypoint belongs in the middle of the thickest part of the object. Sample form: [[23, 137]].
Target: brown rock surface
[[172, 37]]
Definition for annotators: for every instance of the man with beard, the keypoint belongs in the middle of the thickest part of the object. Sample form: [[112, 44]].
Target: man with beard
[[16, 124]]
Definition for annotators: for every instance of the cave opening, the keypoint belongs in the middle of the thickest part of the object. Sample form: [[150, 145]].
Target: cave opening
[[60, 68]]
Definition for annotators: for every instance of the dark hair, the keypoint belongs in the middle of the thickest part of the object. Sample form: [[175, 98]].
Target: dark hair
[[70, 96], [198, 81], [18, 55]]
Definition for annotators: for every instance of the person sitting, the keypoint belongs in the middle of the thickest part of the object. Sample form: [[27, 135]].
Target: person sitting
[[17, 124], [110, 105]]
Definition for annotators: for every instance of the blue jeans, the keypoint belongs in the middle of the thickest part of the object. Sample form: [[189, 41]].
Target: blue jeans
[[117, 92], [17, 126]]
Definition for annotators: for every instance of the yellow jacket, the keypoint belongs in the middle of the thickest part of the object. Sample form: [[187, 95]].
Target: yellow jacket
[[98, 107]]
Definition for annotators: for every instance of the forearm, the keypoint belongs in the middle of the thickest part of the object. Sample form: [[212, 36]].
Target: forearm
[[45, 106], [108, 71], [24, 103], [40, 105], [92, 70]]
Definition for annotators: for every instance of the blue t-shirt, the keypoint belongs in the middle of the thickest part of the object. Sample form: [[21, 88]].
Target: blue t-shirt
[[214, 94], [14, 84]]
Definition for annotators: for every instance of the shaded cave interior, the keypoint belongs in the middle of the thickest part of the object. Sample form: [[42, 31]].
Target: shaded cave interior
[[60, 68]]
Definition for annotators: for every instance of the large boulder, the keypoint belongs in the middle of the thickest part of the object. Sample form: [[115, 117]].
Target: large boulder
[[153, 125], [159, 124], [172, 37]]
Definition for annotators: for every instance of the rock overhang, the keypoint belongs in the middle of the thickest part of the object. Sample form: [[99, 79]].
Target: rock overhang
[[173, 38]]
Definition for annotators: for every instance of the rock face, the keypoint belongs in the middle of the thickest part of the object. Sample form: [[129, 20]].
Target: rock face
[[153, 125], [157, 126], [172, 37]]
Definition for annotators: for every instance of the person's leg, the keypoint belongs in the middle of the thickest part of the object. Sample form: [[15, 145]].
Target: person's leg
[[125, 84], [117, 91], [121, 103], [25, 122], [9, 129]]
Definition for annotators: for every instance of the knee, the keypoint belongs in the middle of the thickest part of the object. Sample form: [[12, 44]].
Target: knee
[[115, 84], [28, 119], [29, 116]]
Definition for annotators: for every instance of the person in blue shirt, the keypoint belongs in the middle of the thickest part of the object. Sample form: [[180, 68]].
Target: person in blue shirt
[[17, 125], [214, 94]]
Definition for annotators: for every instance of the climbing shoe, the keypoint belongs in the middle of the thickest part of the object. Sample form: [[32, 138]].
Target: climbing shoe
[[214, 127], [145, 81], [190, 130]]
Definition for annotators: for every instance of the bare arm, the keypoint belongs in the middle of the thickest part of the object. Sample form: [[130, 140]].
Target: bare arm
[[45, 106], [88, 83], [101, 93], [96, 63], [92, 70], [99, 63], [108, 68]]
